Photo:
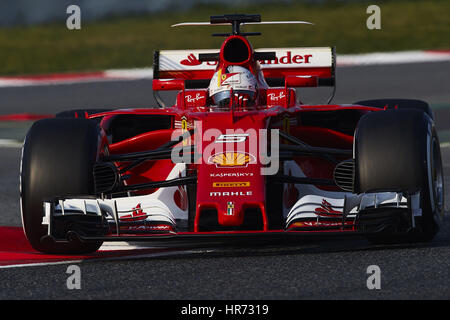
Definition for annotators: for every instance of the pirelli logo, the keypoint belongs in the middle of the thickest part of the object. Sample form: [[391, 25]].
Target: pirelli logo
[[231, 184]]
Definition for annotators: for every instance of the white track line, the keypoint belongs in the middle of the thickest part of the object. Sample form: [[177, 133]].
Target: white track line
[[157, 254], [138, 73], [27, 83], [10, 143], [122, 245], [40, 264], [391, 58], [122, 257]]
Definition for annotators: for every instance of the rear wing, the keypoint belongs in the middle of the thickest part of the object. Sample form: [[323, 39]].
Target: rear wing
[[198, 64]]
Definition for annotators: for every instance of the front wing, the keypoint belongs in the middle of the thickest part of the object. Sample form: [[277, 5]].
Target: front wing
[[85, 219]]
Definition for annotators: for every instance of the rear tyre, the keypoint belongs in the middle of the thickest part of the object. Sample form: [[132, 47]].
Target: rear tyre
[[399, 104], [398, 150], [79, 113], [57, 160]]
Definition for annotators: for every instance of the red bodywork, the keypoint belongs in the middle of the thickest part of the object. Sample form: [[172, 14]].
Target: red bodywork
[[226, 189]]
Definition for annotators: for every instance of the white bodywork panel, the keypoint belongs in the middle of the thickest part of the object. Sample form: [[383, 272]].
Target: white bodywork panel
[[312, 198], [156, 207], [318, 57]]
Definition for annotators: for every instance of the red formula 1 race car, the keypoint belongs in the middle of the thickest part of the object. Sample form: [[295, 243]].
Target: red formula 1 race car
[[238, 155]]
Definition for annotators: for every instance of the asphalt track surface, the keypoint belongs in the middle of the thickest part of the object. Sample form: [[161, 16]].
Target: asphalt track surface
[[320, 269]]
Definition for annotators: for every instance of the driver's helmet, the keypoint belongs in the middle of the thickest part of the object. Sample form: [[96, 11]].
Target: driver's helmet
[[235, 80]]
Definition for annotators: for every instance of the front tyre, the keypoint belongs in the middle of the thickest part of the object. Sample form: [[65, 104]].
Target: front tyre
[[398, 150], [57, 161]]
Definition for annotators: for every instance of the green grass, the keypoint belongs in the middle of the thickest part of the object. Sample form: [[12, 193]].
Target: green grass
[[130, 42]]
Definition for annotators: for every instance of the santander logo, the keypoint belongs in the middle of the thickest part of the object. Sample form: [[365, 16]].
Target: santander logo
[[191, 60], [136, 215], [326, 210], [289, 58], [284, 58]]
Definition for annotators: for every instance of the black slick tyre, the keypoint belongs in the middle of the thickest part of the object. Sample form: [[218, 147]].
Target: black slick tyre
[[57, 160], [398, 151], [398, 104]]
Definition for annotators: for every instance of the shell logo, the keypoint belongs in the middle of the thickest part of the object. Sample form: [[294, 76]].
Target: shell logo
[[231, 159]]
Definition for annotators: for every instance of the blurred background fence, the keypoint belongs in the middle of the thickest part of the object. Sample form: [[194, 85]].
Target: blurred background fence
[[34, 38], [32, 12]]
